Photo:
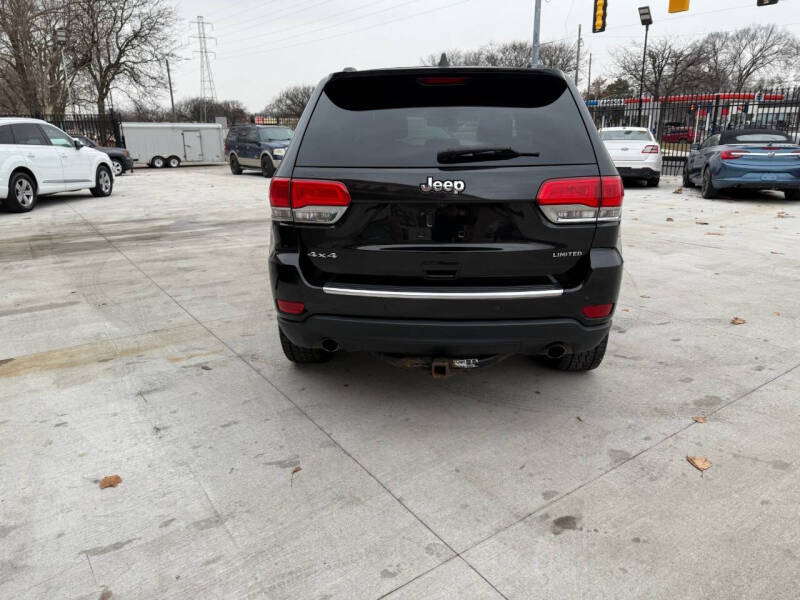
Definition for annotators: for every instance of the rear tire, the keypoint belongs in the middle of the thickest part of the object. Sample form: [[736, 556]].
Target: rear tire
[[687, 182], [236, 168], [267, 168], [582, 361], [653, 182], [104, 182], [22, 193], [173, 162], [300, 355], [708, 191], [792, 194], [157, 162]]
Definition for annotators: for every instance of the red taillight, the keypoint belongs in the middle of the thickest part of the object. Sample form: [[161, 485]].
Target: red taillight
[[597, 311], [650, 149], [307, 200], [581, 199], [290, 307], [443, 80], [732, 154]]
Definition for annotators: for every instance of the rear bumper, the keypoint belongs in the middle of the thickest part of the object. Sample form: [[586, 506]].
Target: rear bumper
[[451, 339], [482, 322], [755, 184], [638, 172]]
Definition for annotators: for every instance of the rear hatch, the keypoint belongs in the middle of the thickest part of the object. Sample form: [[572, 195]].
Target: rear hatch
[[425, 212], [627, 145]]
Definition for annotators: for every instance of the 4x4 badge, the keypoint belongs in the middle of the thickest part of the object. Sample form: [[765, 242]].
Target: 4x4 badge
[[435, 185]]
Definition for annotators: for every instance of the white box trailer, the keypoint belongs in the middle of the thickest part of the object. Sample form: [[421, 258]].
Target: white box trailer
[[172, 144]]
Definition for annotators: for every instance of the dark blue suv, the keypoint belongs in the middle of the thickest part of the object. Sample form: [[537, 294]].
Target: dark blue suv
[[256, 147]]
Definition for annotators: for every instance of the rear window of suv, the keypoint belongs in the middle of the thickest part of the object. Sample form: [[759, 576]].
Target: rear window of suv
[[404, 120]]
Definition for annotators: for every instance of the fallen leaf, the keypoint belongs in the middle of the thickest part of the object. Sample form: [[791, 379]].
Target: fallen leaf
[[696, 222], [110, 481], [635, 219], [297, 469], [783, 214], [205, 368], [699, 462], [626, 310], [699, 419], [644, 296], [777, 313], [714, 233], [678, 191], [738, 321], [775, 252], [670, 220]]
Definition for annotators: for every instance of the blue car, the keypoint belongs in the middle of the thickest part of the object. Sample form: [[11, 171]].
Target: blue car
[[260, 147], [755, 159]]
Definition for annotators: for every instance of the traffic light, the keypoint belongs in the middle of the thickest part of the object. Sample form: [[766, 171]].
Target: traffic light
[[678, 5], [766, 2], [600, 11]]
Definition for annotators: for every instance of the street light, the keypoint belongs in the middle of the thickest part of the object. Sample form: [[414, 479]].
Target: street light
[[647, 19], [61, 40]]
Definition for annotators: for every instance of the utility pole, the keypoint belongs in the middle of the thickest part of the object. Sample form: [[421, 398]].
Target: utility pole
[[537, 21], [61, 40], [207, 90], [646, 17], [171, 97], [589, 83], [578, 61]]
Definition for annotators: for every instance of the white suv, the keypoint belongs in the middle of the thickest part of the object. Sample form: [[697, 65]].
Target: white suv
[[37, 158]]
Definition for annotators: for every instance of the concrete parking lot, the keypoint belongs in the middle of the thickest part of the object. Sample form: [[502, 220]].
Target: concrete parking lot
[[138, 338]]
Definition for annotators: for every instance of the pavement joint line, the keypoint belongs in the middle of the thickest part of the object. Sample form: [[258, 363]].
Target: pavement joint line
[[293, 403], [624, 462]]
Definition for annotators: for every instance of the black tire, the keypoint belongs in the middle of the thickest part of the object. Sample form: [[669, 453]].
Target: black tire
[[236, 168], [119, 168], [300, 355], [157, 162], [791, 194], [104, 182], [173, 162], [708, 191], [22, 193], [653, 182], [687, 182], [582, 361], [267, 168]]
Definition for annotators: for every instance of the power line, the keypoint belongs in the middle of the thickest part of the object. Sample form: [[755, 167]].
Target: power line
[[276, 17], [207, 89], [338, 24]]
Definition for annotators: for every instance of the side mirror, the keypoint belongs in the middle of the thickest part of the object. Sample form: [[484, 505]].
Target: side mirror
[[78, 145]]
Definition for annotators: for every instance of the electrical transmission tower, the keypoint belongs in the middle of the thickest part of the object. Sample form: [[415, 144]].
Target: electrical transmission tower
[[207, 90]]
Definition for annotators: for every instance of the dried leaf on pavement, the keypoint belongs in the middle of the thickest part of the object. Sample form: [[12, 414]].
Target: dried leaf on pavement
[[110, 481], [738, 321], [205, 368], [783, 214], [644, 296], [696, 222], [678, 191], [777, 313], [670, 220], [714, 233], [297, 469], [699, 419], [699, 462], [775, 252]]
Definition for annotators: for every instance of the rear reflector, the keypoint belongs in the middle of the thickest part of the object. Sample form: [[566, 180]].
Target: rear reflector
[[308, 200], [581, 199], [597, 311], [650, 149], [291, 308]]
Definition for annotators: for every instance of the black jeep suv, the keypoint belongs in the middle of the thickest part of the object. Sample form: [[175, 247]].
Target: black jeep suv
[[454, 214]]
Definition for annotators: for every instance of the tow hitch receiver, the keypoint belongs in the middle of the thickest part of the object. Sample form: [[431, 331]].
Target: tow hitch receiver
[[440, 368]]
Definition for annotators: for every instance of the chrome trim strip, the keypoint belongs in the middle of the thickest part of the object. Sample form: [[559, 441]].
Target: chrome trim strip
[[423, 295]]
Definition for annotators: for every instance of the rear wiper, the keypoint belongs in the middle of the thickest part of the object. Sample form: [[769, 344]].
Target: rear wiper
[[478, 154]]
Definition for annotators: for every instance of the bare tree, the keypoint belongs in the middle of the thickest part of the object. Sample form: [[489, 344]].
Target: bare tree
[[667, 66], [291, 101], [122, 44], [556, 55], [762, 50], [193, 109]]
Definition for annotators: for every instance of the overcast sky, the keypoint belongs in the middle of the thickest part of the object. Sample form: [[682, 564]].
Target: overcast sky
[[263, 46]]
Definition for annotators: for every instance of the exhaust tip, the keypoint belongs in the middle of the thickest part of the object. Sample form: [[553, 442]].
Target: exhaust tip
[[330, 345], [556, 351]]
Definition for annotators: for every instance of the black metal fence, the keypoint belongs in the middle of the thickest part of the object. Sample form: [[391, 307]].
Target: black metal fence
[[105, 130], [276, 120], [680, 120]]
